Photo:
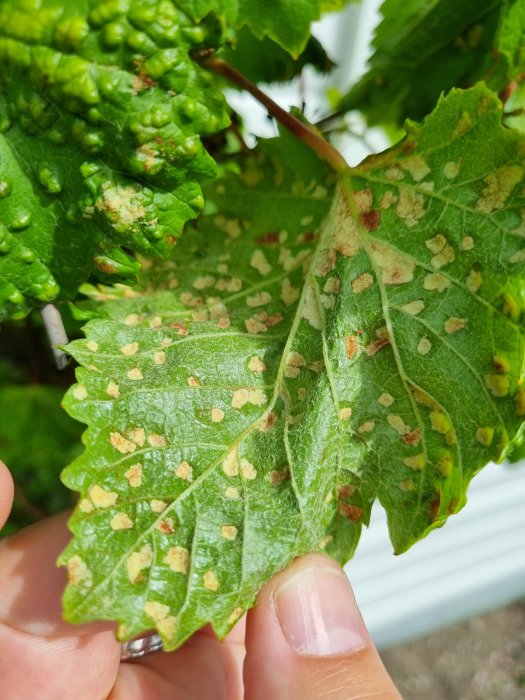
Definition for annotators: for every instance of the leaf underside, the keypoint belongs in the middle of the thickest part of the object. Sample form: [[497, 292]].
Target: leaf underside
[[424, 48], [101, 110], [254, 398]]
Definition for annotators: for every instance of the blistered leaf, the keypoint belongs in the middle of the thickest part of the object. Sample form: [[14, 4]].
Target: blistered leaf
[[101, 110], [423, 48], [260, 392]]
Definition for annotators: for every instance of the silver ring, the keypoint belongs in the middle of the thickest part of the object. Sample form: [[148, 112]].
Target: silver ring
[[138, 648]]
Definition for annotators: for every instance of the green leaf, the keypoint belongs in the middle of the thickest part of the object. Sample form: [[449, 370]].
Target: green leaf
[[101, 109], [423, 48], [254, 398], [265, 61], [287, 22]]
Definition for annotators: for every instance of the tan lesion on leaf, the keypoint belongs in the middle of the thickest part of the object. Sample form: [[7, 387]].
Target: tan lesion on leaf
[[78, 572], [351, 346], [416, 462], [135, 374], [134, 475], [294, 363], [80, 392], [210, 581], [381, 341], [159, 357], [416, 165], [436, 282], [424, 346], [231, 493], [229, 532], [394, 267], [443, 251], [178, 559], [102, 498], [454, 324], [498, 188], [121, 521], [184, 471], [451, 170], [137, 562], [413, 308], [256, 364], [410, 206], [113, 390], [260, 263], [130, 349], [157, 506], [160, 614], [362, 282], [385, 399], [467, 243], [157, 441], [366, 427], [398, 424], [247, 470], [498, 384]]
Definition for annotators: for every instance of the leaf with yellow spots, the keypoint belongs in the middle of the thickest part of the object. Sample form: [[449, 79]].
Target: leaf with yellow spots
[[270, 428]]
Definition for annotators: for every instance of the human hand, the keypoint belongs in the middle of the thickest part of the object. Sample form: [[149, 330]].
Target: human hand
[[305, 639]]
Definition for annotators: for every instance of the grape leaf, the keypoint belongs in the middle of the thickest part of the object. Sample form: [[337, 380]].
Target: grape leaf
[[287, 22], [101, 109], [423, 48], [258, 394], [265, 61]]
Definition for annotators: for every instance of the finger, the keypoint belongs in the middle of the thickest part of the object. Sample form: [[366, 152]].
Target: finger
[[306, 639], [40, 654], [203, 668], [6, 493]]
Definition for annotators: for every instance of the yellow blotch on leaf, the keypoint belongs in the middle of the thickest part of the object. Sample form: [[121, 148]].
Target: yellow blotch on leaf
[[394, 267], [229, 532], [454, 324], [130, 349], [184, 471], [178, 559], [78, 572], [134, 475], [121, 521], [416, 462], [485, 435], [210, 581], [102, 498], [80, 392], [138, 561]]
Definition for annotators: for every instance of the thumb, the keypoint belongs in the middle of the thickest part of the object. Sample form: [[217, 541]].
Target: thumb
[[6, 493], [306, 639]]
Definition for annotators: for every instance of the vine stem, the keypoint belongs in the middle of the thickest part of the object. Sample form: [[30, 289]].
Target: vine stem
[[302, 131]]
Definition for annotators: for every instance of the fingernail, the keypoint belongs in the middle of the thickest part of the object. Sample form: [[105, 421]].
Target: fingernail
[[318, 614]]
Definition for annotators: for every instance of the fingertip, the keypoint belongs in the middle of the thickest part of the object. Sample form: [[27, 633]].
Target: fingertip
[[7, 490], [306, 638]]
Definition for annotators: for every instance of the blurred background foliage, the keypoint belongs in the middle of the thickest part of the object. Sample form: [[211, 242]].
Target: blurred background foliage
[[37, 438]]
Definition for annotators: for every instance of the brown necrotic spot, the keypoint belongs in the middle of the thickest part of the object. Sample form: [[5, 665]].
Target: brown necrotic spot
[[351, 346], [382, 340], [351, 512], [371, 219]]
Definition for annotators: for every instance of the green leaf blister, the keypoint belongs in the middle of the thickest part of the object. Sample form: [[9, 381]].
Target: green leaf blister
[[101, 114], [263, 389]]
